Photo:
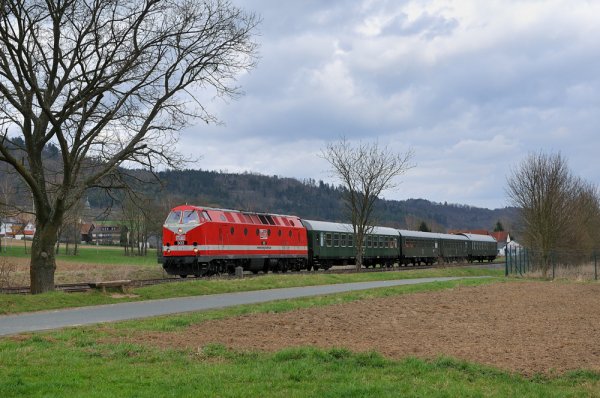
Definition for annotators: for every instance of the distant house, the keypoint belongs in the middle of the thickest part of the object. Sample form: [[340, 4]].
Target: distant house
[[512, 246], [86, 232], [6, 227], [107, 233], [503, 238], [29, 230]]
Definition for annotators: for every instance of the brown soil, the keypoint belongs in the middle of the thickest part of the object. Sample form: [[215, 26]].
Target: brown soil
[[527, 327]]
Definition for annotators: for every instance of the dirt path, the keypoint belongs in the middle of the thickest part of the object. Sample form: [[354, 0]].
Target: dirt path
[[528, 327]]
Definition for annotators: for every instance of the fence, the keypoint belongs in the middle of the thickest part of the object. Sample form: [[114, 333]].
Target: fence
[[555, 264]]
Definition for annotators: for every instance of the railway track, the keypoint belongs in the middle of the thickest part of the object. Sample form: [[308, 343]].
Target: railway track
[[87, 286]]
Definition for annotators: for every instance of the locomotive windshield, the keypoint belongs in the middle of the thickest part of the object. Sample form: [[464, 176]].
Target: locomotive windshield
[[183, 217], [190, 217], [173, 217]]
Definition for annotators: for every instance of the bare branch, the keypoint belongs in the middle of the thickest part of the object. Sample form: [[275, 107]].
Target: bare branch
[[365, 171], [109, 83]]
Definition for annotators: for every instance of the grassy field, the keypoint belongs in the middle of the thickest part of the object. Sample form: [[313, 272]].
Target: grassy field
[[85, 254], [23, 303], [93, 362]]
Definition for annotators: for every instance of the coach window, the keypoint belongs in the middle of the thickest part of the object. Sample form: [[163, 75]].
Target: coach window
[[328, 240], [350, 243], [322, 238], [369, 240], [343, 240], [336, 240]]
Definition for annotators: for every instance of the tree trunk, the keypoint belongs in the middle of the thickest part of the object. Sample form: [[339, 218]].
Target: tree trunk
[[43, 260], [359, 260]]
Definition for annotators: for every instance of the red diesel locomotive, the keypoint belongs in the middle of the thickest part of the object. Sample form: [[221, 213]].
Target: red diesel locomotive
[[203, 241]]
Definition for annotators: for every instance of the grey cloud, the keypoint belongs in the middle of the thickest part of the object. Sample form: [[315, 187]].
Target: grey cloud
[[477, 103]]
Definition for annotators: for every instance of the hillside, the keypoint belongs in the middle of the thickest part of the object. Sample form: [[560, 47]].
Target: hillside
[[315, 200]]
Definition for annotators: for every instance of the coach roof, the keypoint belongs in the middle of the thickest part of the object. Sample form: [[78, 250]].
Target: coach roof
[[480, 238], [327, 226]]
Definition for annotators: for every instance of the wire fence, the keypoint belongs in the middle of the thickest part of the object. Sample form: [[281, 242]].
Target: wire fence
[[556, 264]]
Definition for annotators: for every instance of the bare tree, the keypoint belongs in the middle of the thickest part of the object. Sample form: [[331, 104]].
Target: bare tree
[[109, 83], [365, 170], [558, 210]]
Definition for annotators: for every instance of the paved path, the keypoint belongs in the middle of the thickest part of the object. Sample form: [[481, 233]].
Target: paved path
[[32, 322]]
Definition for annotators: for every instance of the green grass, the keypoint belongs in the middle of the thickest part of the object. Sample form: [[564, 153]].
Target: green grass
[[95, 362], [129, 370], [86, 254], [24, 303], [74, 363]]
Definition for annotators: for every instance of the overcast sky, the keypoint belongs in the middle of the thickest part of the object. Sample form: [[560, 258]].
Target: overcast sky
[[471, 86]]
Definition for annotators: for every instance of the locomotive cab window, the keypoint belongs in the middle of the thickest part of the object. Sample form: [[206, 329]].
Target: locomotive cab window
[[173, 217], [190, 217]]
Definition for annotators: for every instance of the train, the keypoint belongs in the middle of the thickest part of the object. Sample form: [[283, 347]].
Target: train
[[203, 241]]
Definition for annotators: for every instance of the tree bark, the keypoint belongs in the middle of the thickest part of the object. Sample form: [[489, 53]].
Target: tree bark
[[43, 260]]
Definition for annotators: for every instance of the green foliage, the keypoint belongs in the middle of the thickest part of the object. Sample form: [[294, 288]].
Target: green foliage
[[308, 199], [423, 227], [499, 227]]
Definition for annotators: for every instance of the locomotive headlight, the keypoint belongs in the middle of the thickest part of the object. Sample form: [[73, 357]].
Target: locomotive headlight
[[196, 250], [168, 250], [179, 230]]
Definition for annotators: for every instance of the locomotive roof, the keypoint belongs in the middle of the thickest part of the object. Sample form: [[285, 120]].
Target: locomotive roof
[[328, 226], [480, 238], [233, 211]]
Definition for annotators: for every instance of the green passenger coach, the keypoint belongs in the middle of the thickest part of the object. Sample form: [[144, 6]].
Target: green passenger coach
[[418, 247], [481, 247], [333, 244]]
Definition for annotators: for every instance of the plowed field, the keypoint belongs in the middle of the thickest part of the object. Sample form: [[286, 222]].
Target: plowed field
[[527, 327]]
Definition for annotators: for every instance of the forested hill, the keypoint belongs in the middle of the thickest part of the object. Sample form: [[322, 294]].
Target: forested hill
[[317, 200]]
